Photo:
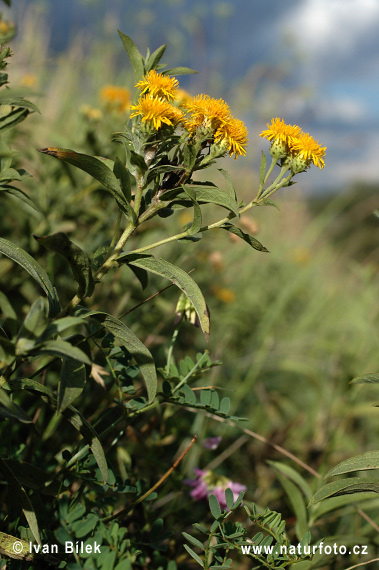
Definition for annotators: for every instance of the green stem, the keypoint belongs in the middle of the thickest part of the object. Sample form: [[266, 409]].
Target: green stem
[[171, 348], [188, 376]]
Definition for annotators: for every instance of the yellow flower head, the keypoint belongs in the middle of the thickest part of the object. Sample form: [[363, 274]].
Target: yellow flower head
[[234, 135], [156, 112], [309, 150], [116, 98], [159, 85], [207, 112], [182, 96], [279, 131]]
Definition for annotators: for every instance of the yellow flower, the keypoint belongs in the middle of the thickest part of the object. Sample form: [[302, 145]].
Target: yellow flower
[[182, 96], [207, 112], [280, 131], [234, 135], [309, 150], [159, 85], [29, 80], [224, 294], [116, 98], [155, 111]]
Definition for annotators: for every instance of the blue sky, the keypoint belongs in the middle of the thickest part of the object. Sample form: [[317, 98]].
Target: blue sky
[[328, 51]]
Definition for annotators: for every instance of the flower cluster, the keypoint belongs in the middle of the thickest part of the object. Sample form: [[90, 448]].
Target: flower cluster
[[297, 149], [208, 483], [161, 104]]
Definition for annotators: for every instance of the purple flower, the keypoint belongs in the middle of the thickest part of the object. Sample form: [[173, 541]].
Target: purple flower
[[208, 483], [212, 442]]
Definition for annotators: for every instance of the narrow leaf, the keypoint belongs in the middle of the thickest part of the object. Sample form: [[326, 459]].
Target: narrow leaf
[[96, 168], [345, 487], [139, 351], [163, 268], [297, 502], [17, 193], [77, 259], [246, 237], [8, 409], [193, 540], [179, 71], [194, 555], [364, 462], [155, 58], [366, 379], [63, 349], [23, 499], [231, 190], [71, 384], [34, 269], [136, 59], [33, 326]]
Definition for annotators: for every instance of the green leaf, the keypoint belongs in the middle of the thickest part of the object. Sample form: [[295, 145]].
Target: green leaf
[[194, 555], [179, 71], [328, 505], [297, 502], [364, 462], [10, 97], [8, 409], [197, 217], [366, 379], [209, 195], [231, 190], [34, 269], [246, 237], [182, 280], [12, 119], [96, 168], [8, 312], [72, 415], [32, 328], [155, 58], [77, 259], [229, 498], [136, 59], [345, 487], [17, 193], [193, 540], [58, 326], [269, 202], [293, 475], [23, 499], [33, 477], [214, 506], [63, 349], [71, 384], [262, 169], [133, 344], [122, 174]]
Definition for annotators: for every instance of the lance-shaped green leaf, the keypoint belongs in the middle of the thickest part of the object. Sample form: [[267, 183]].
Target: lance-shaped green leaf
[[63, 349], [246, 237], [122, 174], [346, 487], [23, 499], [17, 193], [32, 328], [181, 279], [17, 115], [364, 462], [96, 168], [231, 190], [139, 351], [136, 59], [197, 217], [155, 58], [71, 414], [77, 259], [34, 269], [180, 70], [8, 409], [372, 378], [9, 544], [71, 384], [203, 195], [33, 477]]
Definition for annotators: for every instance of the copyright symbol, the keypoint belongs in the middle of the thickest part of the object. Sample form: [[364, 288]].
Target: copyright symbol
[[18, 547]]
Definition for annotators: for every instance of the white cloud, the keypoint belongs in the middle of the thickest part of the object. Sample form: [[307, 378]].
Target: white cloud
[[337, 25], [341, 109]]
